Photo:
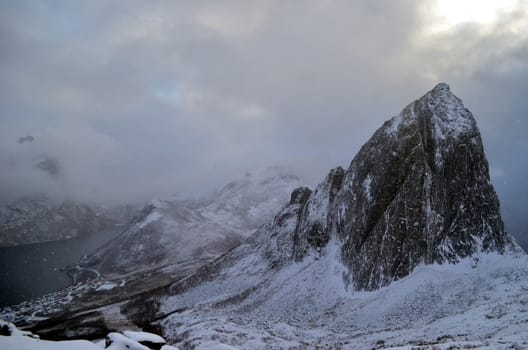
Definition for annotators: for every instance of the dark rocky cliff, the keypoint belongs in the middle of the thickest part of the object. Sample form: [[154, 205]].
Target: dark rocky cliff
[[417, 192]]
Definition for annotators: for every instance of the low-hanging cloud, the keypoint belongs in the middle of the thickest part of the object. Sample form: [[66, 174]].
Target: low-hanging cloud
[[151, 98]]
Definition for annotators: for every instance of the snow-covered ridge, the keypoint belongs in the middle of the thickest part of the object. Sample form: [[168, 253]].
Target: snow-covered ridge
[[449, 117]]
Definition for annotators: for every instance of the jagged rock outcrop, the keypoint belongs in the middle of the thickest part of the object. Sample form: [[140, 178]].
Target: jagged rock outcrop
[[417, 192], [313, 229]]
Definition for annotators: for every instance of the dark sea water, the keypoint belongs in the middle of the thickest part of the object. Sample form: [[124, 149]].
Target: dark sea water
[[33, 270]]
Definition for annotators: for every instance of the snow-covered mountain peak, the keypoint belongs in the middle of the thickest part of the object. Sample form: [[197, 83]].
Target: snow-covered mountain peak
[[450, 116], [257, 180], [253, 196], [439, 115]]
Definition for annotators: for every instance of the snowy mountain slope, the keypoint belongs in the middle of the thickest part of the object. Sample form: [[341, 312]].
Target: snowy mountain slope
[[415, 213], [40, 219], [471, 304], [171, 232]]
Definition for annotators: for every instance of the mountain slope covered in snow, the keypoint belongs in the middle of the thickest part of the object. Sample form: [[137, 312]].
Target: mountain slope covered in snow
[[181, 231], [406, 245]]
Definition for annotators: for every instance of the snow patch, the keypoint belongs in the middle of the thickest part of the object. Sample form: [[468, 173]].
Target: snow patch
[[144, 336], [106, 286], [154, 216], [366, 187], [129, 340]]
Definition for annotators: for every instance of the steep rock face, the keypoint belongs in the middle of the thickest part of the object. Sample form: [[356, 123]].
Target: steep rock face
[[313, 229], [417, 192]]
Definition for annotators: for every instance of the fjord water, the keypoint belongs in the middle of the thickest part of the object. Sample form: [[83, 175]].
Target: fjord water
[[32, 270]]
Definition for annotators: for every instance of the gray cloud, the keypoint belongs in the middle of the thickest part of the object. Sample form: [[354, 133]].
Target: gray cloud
[[48, 165], [28, 138], [153, 98]]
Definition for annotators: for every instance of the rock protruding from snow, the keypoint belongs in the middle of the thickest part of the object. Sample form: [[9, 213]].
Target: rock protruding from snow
[[313, 228], [300, 195]]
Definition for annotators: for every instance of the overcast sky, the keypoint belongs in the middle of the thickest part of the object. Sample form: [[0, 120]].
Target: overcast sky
[[140, 99]]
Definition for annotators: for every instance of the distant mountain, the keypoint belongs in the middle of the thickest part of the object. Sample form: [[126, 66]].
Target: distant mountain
[[169, 232], [35, 219]]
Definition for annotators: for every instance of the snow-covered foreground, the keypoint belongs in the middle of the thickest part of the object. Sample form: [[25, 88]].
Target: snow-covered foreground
[[12, 338], [479, 303]]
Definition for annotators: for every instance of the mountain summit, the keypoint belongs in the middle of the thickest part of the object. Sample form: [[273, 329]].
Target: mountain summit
[[417, 192]]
